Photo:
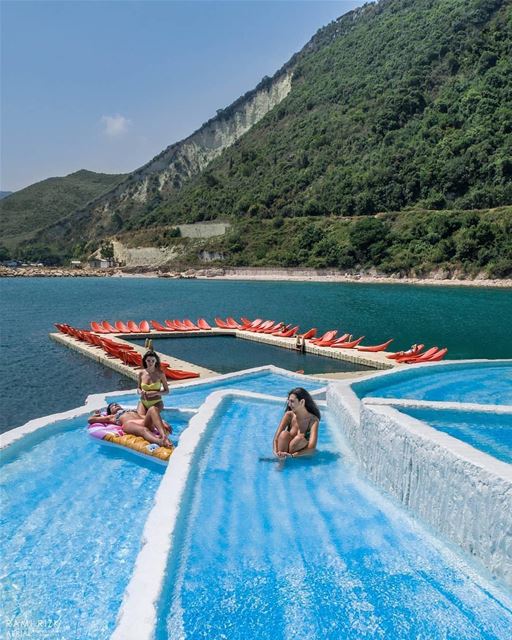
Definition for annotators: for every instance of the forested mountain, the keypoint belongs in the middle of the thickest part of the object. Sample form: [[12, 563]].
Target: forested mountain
[[390, 147], [406, 104], [24, 213]]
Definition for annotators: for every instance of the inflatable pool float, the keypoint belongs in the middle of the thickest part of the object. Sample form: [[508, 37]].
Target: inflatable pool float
[[115, 435]]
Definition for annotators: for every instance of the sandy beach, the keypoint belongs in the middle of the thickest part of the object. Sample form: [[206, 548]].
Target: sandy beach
[[257, 274], [304, 276]]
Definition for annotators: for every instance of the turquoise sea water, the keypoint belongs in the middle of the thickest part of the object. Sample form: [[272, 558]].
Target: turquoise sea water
[[41, 377], [307, 550]]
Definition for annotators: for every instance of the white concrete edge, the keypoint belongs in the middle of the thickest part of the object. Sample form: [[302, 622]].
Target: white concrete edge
[[436, 405], [417, 429], [13, 435], [343, 390], [243, 373], [137, 617]]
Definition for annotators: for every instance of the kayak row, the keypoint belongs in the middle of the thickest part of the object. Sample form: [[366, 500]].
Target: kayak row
[[124, 352]]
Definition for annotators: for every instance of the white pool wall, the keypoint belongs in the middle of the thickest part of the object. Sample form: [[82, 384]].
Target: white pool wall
[[299, 378], [93, 402], [461, 492]]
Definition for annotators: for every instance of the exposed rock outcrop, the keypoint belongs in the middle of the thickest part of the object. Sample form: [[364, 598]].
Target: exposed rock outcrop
[[176, 164]]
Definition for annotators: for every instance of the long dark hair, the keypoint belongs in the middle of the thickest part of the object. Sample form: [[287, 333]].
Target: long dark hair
[[109, 407], [151, 354], [309, 403]]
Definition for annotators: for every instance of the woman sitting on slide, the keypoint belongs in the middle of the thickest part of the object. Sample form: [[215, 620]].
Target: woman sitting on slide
[[151, 427], [297, 433], [152, 384]]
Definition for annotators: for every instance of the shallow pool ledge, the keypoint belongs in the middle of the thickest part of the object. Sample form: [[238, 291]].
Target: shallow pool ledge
[[463, 493]]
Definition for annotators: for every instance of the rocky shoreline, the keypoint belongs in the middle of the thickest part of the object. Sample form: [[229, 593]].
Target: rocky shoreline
[[256, 273]]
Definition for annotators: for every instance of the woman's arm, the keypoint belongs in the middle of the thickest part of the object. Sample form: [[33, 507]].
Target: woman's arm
[[139, 383], [313, 439], [101, 419], [165, 386]]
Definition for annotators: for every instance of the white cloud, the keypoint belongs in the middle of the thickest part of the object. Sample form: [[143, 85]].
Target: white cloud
[[115, 125]]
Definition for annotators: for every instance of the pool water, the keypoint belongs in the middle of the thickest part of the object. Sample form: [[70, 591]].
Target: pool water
[[72, 514], [259, 382], [482, 383], [489, 432], [226, 354], [306, 549]]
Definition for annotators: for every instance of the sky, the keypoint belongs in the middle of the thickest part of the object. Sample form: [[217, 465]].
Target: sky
[[106, 85]]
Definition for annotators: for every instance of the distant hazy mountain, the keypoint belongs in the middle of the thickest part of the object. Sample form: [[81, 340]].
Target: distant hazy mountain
[[28, 210], [4, 194]]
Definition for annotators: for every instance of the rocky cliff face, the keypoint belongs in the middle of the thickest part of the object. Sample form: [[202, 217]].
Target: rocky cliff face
[[166, 172]]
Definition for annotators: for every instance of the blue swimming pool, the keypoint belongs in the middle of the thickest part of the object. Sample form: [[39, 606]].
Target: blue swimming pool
[[257, 382], [307, 550], [72, 514], [489, 432], [484, 382]]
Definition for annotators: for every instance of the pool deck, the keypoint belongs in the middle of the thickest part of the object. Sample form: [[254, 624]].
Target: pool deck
[[374, 360]]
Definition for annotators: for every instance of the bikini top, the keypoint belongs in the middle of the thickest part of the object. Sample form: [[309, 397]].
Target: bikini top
[[307, 433], [153, 386]]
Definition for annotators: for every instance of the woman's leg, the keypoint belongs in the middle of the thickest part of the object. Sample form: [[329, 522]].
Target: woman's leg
[[141, 409], [154, 419], [298, 443], [137, 429], [283, 442]]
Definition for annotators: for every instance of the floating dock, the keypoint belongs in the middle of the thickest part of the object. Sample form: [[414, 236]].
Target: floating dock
[[376, 360]]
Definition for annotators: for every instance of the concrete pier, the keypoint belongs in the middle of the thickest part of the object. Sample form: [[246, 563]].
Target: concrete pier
[[373, 360], [97, 354]]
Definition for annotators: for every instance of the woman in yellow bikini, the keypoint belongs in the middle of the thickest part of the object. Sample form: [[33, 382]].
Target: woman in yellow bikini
[[152, 384]]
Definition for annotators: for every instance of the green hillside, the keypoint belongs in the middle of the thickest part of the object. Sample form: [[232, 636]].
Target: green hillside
[[392, 150], [407, 105], [24, 213]]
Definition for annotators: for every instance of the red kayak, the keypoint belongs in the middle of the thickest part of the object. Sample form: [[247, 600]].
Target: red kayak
[[267, 329], [222, 324], [95, 326], [331, 343], [438, 356], [288, 334], [411, 353], [133, 326], [329, 335], [109, 327], [144, 327], [177, 374], [121, 327], [159, 327], [202, 324], [347, 345], [426, 356], [232, 323], [309, 334], [378, 347]]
